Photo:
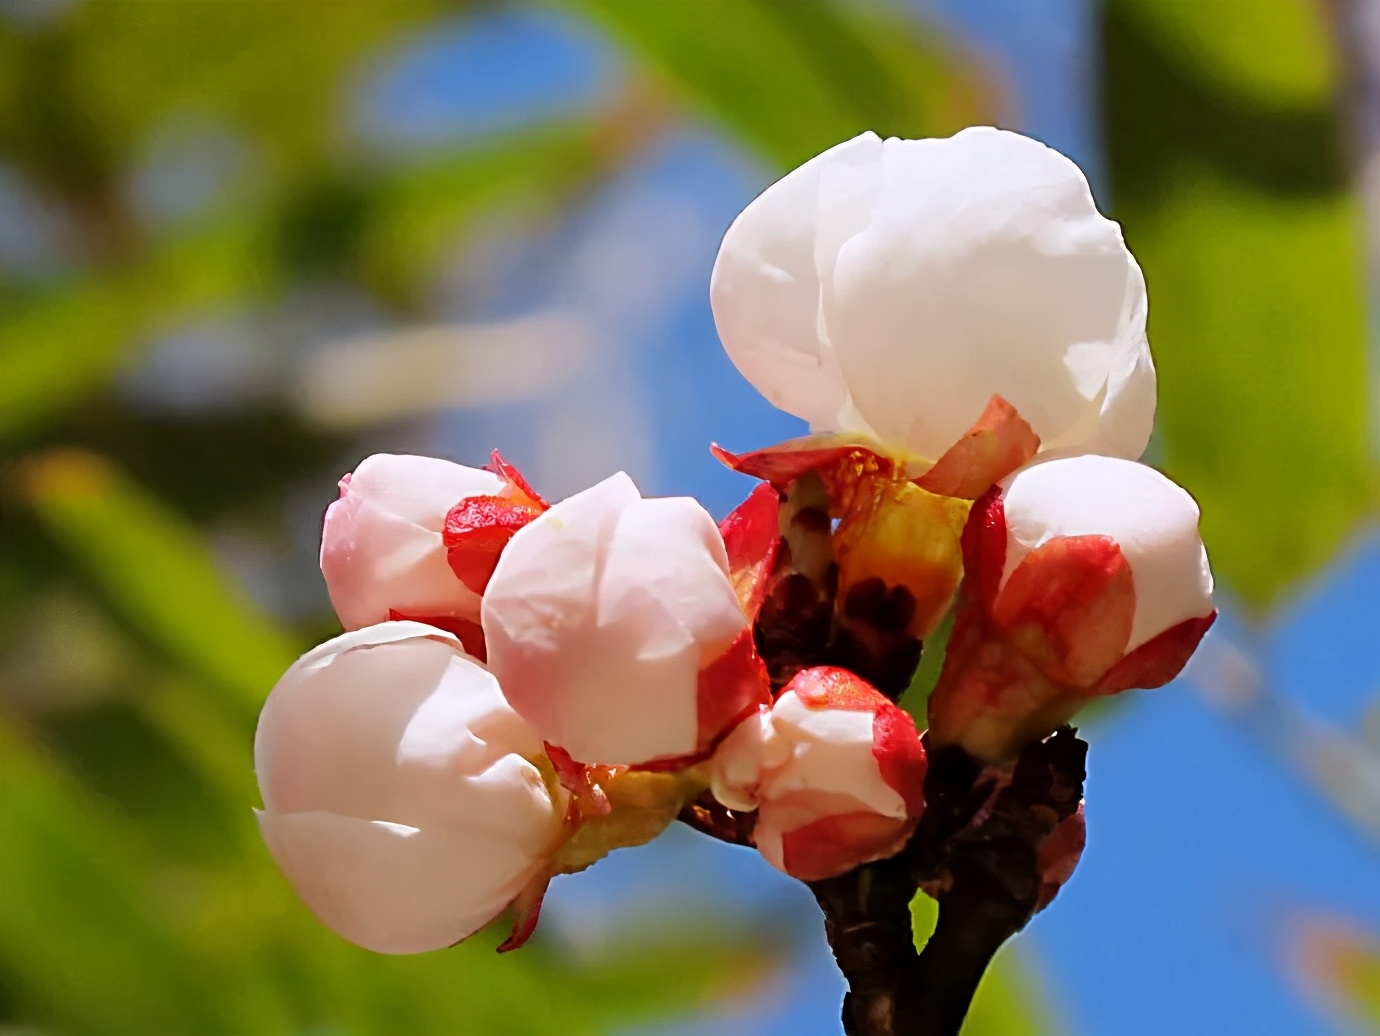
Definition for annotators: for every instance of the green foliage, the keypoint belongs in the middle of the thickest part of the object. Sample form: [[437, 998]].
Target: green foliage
[[917, 697], [157, 571], [792, 79], [1226, 171], [137, 894]]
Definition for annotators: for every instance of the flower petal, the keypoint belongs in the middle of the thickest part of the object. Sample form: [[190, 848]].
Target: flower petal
[[765, 288], [984, 267], [393, 888]]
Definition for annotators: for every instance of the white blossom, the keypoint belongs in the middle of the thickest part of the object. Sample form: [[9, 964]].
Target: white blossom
[[400, 794], [891, 287]]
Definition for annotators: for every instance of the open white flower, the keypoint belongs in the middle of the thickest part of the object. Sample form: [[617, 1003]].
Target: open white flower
[[606, 621], [400, 796], [893, 287]]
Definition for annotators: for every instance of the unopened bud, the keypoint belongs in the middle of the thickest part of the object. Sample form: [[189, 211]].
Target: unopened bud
[[834, 769]]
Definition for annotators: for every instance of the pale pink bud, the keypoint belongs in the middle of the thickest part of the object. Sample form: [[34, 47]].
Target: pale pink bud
[[1152, 521], [1084, 576], [400, 795], [613, 625], [834, 769], [381, 544]]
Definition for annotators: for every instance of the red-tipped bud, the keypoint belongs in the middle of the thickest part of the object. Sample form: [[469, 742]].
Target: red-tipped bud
[[381, 544], [1084, 576], [834, 770]]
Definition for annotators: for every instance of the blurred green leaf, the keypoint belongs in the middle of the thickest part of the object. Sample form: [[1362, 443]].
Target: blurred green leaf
[[56, 348], [917, 696], [1007, 1003], [419, 213], [60, 346], [1250, 242], [95, 79], [389, 229], [792, 79], [78, 917], [99, 935], [1286, 57], [157, 570]]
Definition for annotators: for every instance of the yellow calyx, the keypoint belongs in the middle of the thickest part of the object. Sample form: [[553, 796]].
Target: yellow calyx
[[907, 537]]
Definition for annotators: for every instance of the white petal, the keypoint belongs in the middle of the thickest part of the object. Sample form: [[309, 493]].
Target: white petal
[[392, 888], [421, 489], [765, 288], [332, 722], [736, 773], [985, 268], [665, 581], [381, 547], [393, 722], [831, 754], [598, 619], [1154, 521], [400, 799]]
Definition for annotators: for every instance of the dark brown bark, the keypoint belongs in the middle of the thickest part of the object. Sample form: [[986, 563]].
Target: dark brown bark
[[975, 851]]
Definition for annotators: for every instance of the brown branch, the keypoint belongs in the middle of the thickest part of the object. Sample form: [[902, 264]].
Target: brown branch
[[977, 852], [976, 848], [710, 817], [867, 921]]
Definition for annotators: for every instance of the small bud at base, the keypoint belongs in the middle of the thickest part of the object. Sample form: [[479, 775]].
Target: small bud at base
[[834, 770]]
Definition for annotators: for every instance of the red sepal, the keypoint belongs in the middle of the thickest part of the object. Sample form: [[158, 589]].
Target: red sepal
[[526, 912], [752, 536], [900, 754], [839, 461], [829, 687], [997, 444], [470, 634], [585, 784], [1022, 661], [1059, 854], [834, 845], [476, 531], [1158, 660], [513, 477], [984, 547], [729, 688], [1069, 605]]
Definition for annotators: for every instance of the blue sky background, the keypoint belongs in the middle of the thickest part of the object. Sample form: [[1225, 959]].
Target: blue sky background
[[1202, 843]]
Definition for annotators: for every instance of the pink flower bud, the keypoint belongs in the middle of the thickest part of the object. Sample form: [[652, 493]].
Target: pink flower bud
[[834, 770], [381, 545], [609, 621], [400, 795], [1084, 576]]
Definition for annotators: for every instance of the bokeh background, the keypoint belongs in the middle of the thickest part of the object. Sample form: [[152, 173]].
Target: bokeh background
[[244, 244]]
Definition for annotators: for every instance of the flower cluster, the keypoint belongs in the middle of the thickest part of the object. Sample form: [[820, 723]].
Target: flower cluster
[[526, 686]]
